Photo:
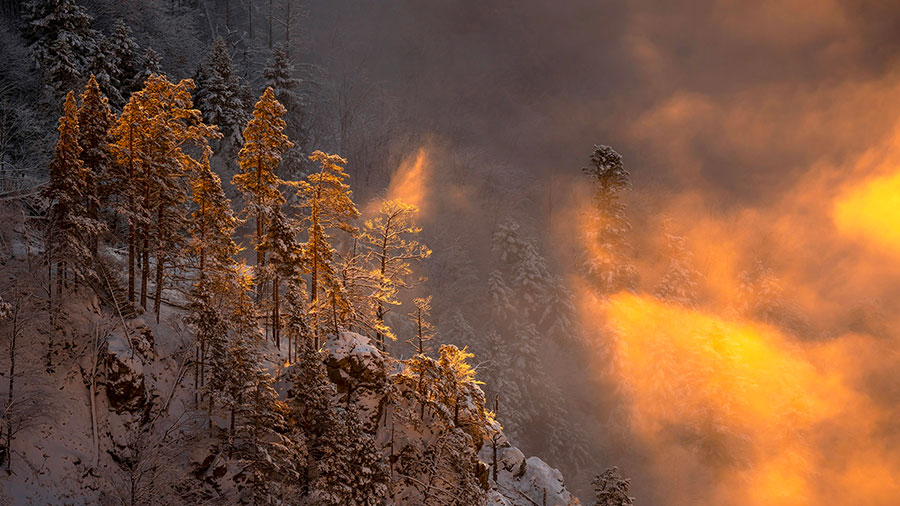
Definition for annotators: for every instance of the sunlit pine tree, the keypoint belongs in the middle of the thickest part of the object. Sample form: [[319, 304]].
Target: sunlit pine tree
[[424, 330], [264, 145], [607, 263], [67, 237], [154, 128], [212, 222], [210, 227], [95, 119], [390, 236], [326, 204]]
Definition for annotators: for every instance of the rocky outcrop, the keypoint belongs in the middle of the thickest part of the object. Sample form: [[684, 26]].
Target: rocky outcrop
[[125, 386]]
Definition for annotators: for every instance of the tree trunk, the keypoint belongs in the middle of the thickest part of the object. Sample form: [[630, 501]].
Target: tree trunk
[[145, 265], [12, 378], [276, 316], [160, 262], [131, 260], [271, 18], [131, 238], [92, 390]]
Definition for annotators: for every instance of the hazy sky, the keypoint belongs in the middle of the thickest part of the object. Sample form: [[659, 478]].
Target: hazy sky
[[734, 96]]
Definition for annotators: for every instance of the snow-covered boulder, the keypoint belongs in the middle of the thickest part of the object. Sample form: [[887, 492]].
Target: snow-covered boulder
[[354, 360], [124, 377]]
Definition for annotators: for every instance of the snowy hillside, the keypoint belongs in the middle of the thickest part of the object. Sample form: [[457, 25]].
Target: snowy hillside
[[126, 429]]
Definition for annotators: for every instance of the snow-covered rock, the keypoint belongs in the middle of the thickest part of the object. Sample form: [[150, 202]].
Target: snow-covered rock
[[124, 377], [359, 372]]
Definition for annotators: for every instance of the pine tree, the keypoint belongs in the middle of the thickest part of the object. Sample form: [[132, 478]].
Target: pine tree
[[327, 203], [126, 55], [104, 67], [350, 471], [67, 232], [264, 143], [219, 91], [234, 359], [611, 489], [150, 65], [154, 128], [280, 75], [209, 327], [389, 237], [272, 454], [312, 392], [607, 263], [678, 283], [283, 252], [424, 330], [296, 322], [211, 227], [212, 223], [94, 123], [61, 39]]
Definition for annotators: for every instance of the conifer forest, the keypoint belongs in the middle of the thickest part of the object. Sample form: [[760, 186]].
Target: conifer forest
[[449, 252]]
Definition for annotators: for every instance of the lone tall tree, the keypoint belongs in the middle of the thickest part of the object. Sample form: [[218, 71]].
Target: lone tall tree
[[264, 144], [66, 235], [95, 119], [607, 263]]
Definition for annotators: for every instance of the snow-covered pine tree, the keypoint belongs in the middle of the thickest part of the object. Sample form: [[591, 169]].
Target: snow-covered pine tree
[[264, 144], [61, 40], [212, 223], [95, 120], [326, 204], [541, 298], [104, 68], [280, 75], [234, 358], [423, 328], [611, 489], [210, 227], [68, 237], [349, 469], [607, 263], [312, 393], [295, 322], [210, 328], [219, 92], [271, 452], [761, 296], [280, 243], [155, 127], [150, 64], [679, 283], [390, 236], [126, 55]]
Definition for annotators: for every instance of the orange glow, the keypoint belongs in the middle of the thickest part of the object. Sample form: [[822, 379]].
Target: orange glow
[[872, 211], [409, 182], [714, 394]]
